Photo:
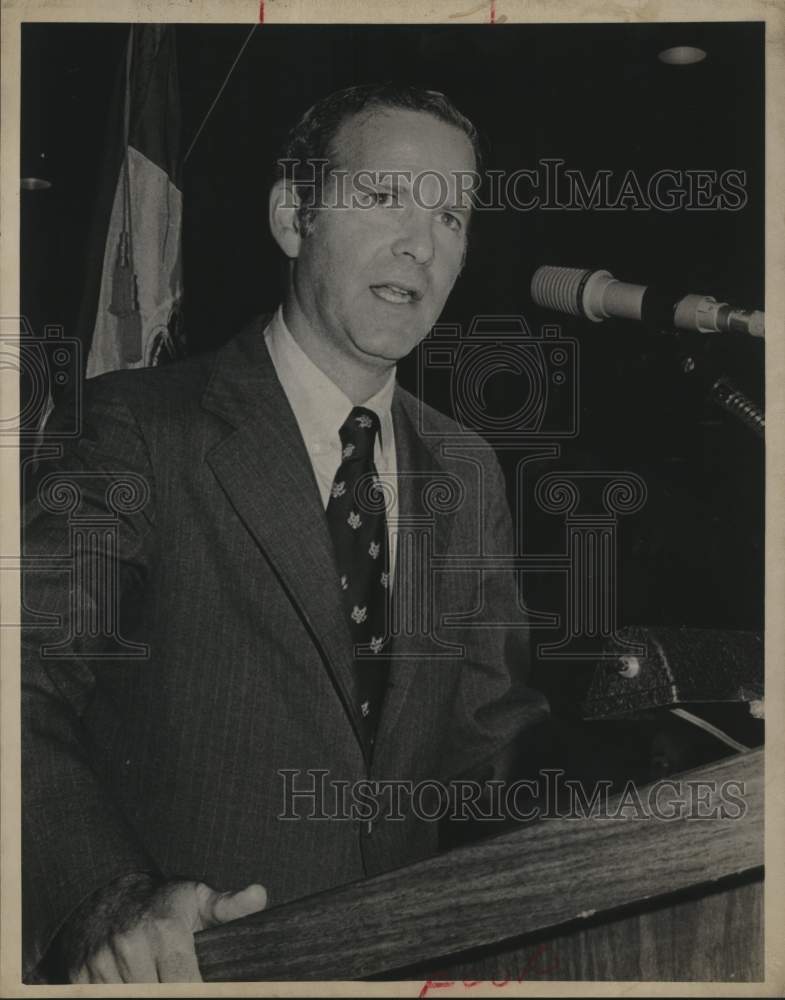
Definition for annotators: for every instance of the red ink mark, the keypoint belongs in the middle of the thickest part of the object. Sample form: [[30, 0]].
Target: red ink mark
[[433, 984], [493, 11], [261, 11], [529, 967]]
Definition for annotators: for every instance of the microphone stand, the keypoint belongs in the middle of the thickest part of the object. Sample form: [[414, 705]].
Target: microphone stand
[[732, 400]]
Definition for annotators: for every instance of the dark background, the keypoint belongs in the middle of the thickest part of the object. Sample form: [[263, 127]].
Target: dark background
[[594, 95]]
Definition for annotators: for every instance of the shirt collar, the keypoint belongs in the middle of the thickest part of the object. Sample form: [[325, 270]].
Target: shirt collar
[[319, 406]]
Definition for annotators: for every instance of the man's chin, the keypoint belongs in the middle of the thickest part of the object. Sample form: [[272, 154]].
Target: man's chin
[[389, 347]]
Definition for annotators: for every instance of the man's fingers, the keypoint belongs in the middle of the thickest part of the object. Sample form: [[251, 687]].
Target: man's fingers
[[221, 907], [159, 947], [173, 947], [179, 965], [134, 958], [103, 968]]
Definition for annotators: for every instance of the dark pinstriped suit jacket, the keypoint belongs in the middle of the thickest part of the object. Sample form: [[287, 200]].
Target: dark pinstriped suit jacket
[[171, 762]]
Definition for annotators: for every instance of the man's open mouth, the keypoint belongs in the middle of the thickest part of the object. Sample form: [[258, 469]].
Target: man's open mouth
[[397, 294]]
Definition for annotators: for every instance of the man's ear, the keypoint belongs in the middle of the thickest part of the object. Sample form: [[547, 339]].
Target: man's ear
[[284, 223]]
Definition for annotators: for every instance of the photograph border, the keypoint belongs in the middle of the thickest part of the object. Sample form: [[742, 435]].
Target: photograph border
[[495, 13]]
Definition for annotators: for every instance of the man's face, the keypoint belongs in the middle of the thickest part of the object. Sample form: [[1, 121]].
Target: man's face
[[373, 280]]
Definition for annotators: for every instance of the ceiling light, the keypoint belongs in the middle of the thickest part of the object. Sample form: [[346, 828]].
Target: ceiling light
[[682, 55], [34, 184]]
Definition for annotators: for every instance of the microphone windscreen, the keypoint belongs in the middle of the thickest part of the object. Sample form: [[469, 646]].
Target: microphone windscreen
[[560, 288]]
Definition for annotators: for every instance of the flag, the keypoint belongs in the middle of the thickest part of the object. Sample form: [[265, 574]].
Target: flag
[[133, 297]]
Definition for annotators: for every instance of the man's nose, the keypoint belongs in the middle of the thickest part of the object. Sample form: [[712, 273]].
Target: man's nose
[[415, 238]]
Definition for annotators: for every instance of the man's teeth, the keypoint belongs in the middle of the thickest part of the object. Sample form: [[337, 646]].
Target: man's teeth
[[391, 293]]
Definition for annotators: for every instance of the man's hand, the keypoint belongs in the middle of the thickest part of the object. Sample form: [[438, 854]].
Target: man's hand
[[135, 932]]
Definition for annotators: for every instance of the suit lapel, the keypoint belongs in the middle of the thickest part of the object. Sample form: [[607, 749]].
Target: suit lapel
[[266, 473], [418, 468]]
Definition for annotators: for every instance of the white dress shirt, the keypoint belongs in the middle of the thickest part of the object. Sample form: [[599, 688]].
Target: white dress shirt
[[321, 408]]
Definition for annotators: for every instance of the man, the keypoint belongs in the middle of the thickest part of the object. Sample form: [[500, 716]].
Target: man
[[279, 639]]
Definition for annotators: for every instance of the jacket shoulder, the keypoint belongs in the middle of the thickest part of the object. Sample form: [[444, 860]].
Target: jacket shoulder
[[175, 385], [146, 386]]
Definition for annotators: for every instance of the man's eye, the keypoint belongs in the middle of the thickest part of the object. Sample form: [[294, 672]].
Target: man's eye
[[385, 199], [451, 221]]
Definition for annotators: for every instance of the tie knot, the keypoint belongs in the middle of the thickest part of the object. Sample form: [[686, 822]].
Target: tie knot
[[358, 433]]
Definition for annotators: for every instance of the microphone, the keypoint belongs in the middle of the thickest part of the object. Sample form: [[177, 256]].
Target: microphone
[[597, 295]]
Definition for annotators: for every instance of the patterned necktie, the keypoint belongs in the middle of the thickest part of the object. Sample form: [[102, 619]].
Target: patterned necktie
[[356, 517]]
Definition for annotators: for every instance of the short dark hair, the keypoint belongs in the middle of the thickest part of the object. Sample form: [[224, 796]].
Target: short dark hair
[[310, 141]]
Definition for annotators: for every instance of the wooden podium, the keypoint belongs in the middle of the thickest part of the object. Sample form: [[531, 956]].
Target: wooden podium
[[560, 899]]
